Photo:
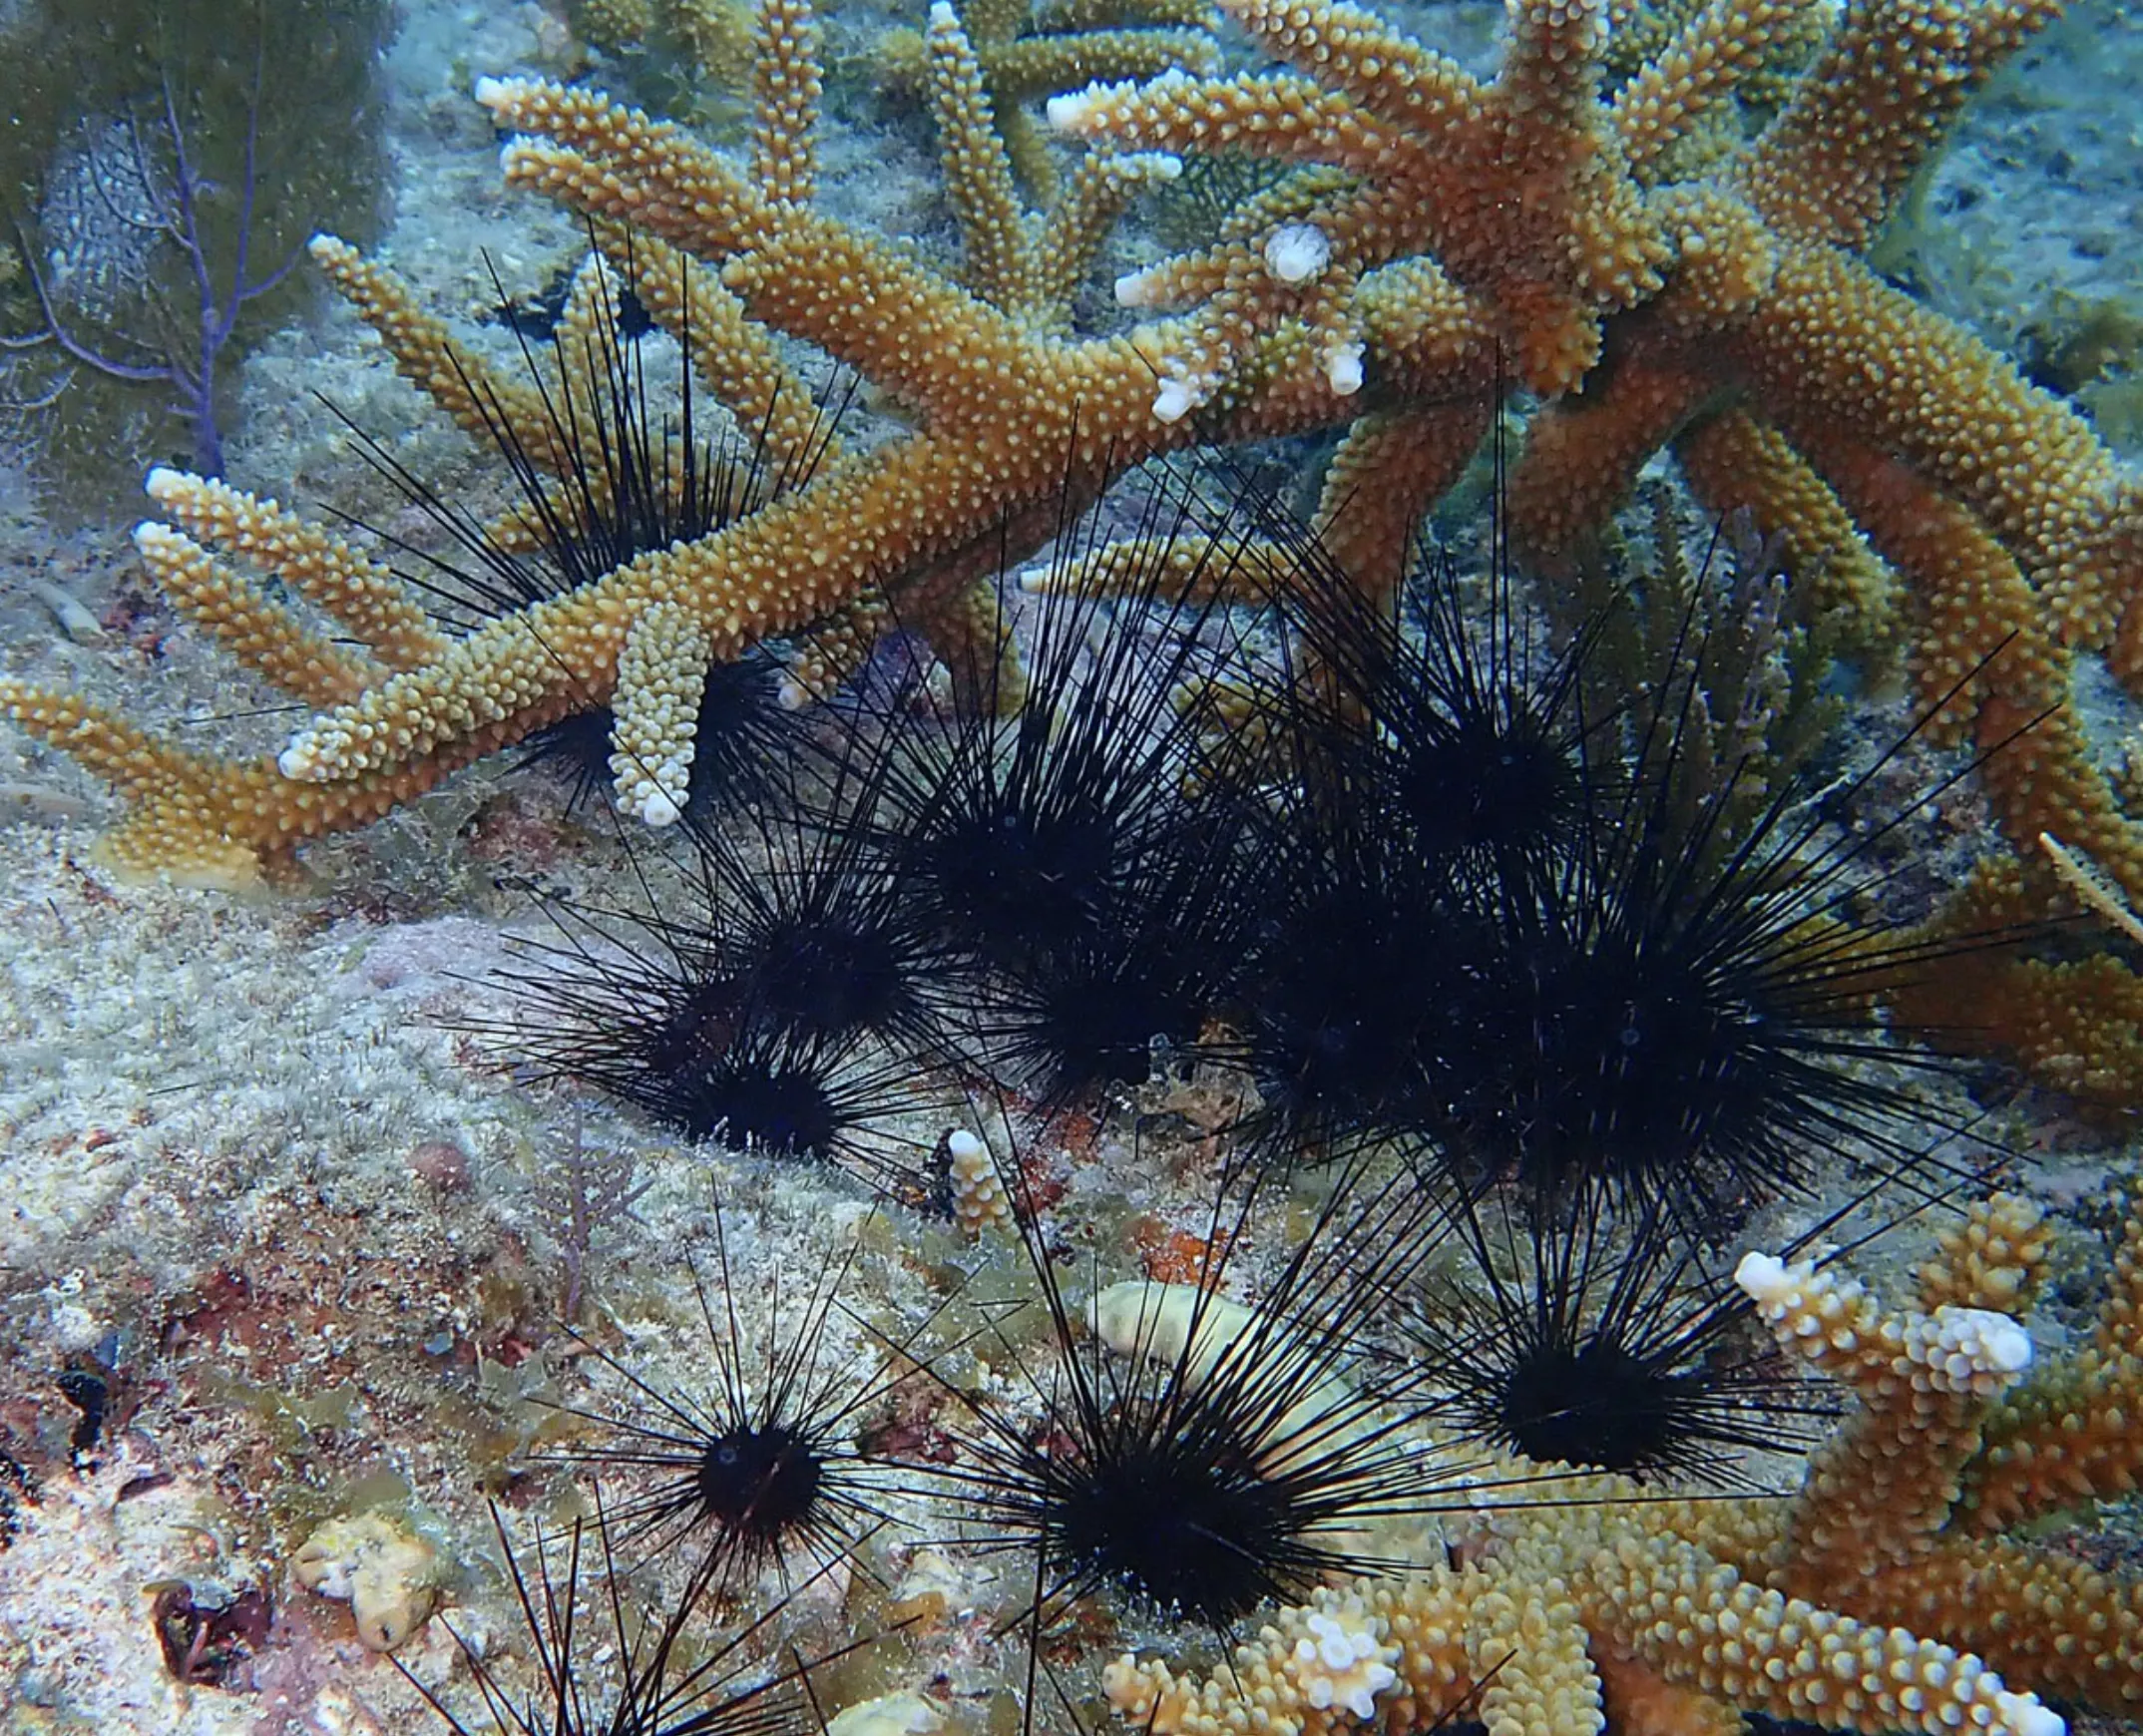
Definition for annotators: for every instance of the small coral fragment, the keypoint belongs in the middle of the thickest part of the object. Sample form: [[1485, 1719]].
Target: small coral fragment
[[978, 1198], [388, 1575]]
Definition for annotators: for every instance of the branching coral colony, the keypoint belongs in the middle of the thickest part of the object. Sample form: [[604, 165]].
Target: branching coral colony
[[1671, 1614], [1433, 224], [1432, 236]]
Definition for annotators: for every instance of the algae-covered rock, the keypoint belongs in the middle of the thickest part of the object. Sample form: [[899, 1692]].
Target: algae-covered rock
[[380, 1567]]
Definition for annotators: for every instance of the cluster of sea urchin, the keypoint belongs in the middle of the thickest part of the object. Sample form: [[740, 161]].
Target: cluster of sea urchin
[[1452, 898], [1438, 896], [1504, 936]]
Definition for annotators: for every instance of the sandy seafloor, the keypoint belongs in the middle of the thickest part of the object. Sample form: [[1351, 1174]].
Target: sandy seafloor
[[249, 1167]]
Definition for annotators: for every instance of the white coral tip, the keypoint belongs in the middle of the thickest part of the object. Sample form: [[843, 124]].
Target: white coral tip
[[2023, 1714], [164, 481], [1138, 290], [1175, 400], [1343, 369], [1762, 1278], [300, 760], [1984, 1341], [962, 1143], [1297, 252], [1071, 111], [490, 92]]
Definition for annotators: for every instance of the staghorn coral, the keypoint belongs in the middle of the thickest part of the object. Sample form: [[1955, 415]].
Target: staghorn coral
[[2074, 1021], [921, 514], [689, 57], [1879, 1597], [1434, 231], [1024, 53], [1748, 332]]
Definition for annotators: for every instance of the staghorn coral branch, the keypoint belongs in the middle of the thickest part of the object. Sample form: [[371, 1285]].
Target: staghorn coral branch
[[1700, 70], [1731, 460], [1889, 84], [614, 163], [2057, 1622], [1391, 467], [741, 365], [1436, 238], [1068, 46], [2069, 1434], [661, 674], [1995, 1258], [262, 635], [1273, 115], [1881, 1490], [364, 597], [1074, 226], [1804, 355], [1000, 249], [1696, 1621], [460, 383], [785, 89]]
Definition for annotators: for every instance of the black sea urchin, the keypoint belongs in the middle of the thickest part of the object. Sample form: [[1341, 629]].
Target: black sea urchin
[[811, 934], [1095, 895], [1447, 716], [1427, 769], [672, 1015], [1017, 834], [1605, 972], [1197, 1455], [758, 1464], [1602, 1345], [1684, 1019]]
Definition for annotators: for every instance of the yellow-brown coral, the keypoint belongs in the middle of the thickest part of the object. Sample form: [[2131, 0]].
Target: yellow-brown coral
[[1024, 53], [1878, 1598], [1431, 222]]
